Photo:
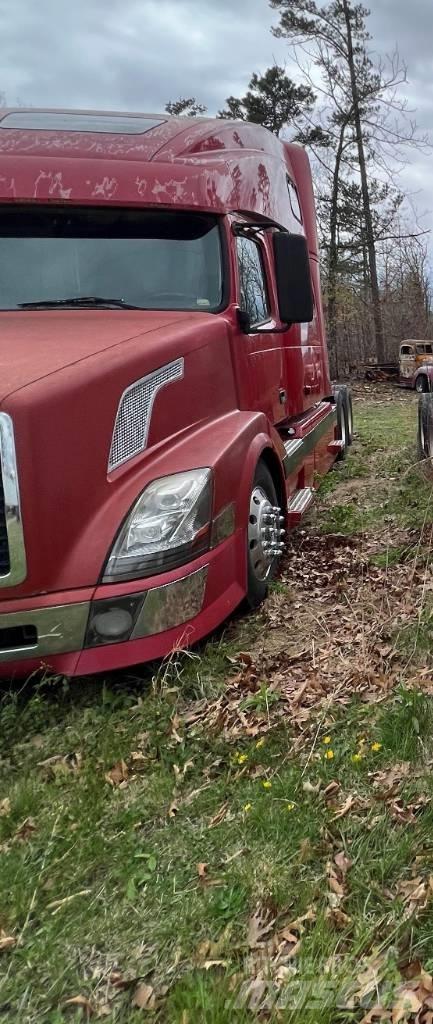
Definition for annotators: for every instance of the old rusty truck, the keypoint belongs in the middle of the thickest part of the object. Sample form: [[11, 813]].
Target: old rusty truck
[[166, 408], [416, 365], [414, 368]]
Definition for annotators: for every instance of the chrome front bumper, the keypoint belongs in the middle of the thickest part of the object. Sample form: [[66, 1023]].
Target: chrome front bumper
[[62, 629]]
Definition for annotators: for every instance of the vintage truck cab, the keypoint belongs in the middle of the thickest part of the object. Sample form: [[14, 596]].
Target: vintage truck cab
[[416, 365], [165, 407]]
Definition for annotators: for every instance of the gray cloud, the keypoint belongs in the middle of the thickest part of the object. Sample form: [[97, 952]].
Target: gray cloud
[[137, 54]]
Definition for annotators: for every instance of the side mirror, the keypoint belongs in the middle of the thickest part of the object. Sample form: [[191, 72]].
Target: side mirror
[[293, 278]]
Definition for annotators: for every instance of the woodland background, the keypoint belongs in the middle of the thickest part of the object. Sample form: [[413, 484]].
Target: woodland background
[[348, 107]]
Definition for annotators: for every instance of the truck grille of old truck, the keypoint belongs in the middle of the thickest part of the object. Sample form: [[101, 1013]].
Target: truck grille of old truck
[[4, 545]]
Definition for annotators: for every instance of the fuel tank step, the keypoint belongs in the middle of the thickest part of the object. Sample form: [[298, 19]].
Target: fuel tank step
[[336, 446], [298, 504]]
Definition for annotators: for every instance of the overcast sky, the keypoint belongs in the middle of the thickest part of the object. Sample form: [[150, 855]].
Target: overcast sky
[[137, 54]]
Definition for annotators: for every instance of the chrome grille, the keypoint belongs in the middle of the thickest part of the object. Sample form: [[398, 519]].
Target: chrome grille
[[5, 564], [13, 567], [131, 428]]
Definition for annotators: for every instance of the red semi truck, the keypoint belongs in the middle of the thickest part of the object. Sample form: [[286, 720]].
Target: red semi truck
[[166, 408]]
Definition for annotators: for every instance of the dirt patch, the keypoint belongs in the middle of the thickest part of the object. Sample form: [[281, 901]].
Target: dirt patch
[[336, 622], [352, 490], [380, 393], [334, 607]]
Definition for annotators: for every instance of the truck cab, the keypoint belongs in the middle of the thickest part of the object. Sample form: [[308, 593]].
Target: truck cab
[[165, 407], [416, 364]]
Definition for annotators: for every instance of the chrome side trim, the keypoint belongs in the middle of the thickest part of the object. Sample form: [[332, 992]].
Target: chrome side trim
[[291, 457], [14, 527], [305, 445], [131, 426], [171, 605], [223, 525], [60, 629]]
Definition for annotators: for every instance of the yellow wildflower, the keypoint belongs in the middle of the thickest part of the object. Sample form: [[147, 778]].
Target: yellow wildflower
[[290, 807], [267, 784], [241, 758], [356, 757], [326, 739], [329, 754], [376, 746], [247, 808], [260, 743]]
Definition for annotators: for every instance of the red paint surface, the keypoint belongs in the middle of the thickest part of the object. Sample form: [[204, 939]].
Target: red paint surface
[[62, 372]]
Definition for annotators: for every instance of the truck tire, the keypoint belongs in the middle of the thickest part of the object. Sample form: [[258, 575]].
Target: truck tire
[[425, 430], [344, 390], [421, 384], [261, 565], [349, 408], [342, 424]]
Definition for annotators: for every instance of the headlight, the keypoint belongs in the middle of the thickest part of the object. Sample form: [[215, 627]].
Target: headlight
[[169, 525]]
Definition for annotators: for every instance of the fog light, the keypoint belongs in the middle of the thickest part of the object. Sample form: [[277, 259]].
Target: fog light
[[113, 625], [112, 621]]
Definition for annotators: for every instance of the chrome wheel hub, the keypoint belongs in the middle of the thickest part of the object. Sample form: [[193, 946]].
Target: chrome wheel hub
[[265, 533]]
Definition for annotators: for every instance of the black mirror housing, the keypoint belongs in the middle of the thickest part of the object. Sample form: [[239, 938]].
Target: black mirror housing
[[293, 278]]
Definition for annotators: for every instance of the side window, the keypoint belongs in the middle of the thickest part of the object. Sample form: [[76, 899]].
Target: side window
[[254, 298], [406, 350], [294, 200]]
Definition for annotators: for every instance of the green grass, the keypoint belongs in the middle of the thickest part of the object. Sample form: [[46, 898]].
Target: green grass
[[392, 556], [384, 461], [155, 880]]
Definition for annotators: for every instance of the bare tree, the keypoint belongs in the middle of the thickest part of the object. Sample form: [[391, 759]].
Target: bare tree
[[362, 117]]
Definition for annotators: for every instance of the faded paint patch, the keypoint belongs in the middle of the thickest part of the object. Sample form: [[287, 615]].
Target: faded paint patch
[[105, 189], [7, 185], [51, 184], [141, 184], [174, 190]]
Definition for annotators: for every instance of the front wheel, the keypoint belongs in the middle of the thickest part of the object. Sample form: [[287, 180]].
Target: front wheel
[[342, 424], [425, 430], [421, 384], [264, 535], [349, 409]]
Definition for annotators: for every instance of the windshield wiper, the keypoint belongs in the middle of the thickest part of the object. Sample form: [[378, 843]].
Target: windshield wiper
[[85, 301]]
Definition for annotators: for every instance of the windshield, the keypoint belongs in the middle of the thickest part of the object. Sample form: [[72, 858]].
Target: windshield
[[142, 258]]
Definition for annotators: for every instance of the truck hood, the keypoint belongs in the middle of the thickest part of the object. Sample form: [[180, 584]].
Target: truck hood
[[65, 373], [35, 344]]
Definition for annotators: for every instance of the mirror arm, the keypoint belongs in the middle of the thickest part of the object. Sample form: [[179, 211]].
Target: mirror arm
[[247, 328], [272, 330]]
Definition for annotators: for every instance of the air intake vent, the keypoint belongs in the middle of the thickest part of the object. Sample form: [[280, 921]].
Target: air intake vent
[[131, 428]]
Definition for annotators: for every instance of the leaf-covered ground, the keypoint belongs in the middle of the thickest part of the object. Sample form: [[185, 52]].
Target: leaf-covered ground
[[246, 832]]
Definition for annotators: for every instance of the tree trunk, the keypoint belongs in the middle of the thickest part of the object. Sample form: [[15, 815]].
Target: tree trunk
[[333, 255], [369, 232]]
